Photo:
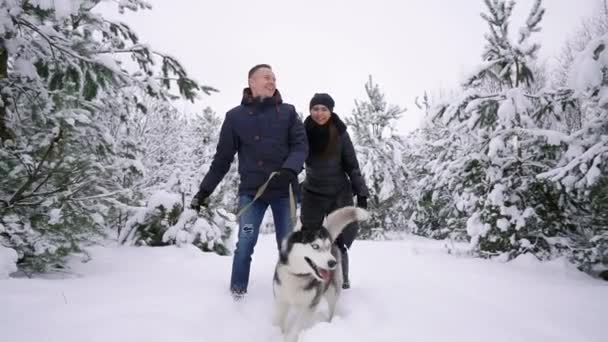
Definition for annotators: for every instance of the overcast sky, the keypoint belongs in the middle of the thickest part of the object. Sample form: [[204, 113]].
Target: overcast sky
[[408, 46]]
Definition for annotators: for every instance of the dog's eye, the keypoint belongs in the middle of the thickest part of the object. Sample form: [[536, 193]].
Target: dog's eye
[[315, 246]]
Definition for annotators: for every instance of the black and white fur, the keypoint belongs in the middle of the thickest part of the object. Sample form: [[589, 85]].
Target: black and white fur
[[309, 268]]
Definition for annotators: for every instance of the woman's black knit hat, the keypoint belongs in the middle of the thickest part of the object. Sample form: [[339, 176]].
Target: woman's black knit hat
[[322, 99]]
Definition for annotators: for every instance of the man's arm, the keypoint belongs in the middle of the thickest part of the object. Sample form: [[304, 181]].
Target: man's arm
[[298, 144], [224, 155]]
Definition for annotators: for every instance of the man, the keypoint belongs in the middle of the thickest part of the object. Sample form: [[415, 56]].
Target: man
[[268, 136]]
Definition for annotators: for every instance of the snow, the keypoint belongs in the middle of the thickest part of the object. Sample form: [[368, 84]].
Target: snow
[[43, 4], [8, 260], [506, 112], [55, 216], [503, 224], [515, 103], [469, 76], [180, 294], [579, 162], [603, 95], [190, 228], [109, 62], [475, 226], [574, 150], [5, 21], [554, 138], [496, 196], [97, 218], [586, 70], [63, 8], [388, 187], [138, 216], [594, 172], [496, 146], [164, 198], [588, 75], [26, 69]]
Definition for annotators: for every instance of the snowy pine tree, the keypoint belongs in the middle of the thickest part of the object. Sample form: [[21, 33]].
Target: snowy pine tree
[[380, 154], [63, 90], [182, 149], [498, 158], [440, 206], [582, 170], [510, 211], [591, 29]]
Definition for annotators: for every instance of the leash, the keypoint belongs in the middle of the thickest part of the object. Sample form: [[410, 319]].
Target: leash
[[260, 192]]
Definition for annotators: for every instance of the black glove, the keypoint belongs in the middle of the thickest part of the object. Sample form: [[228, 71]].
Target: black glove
[[282, 179], [200, 199], [362, 202]]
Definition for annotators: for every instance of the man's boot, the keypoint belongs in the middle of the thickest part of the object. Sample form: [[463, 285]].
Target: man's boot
[[346, 283]]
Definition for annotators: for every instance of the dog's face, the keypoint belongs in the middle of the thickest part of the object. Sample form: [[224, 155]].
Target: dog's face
[[308, 251]]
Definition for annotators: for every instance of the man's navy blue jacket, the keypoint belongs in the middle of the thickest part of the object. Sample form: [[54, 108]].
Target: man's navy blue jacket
[[268, 135]]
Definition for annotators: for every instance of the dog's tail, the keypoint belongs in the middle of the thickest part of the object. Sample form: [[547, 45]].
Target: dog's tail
[[337, 220]]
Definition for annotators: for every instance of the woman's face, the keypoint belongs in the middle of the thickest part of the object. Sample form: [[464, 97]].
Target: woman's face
[[320, 114]]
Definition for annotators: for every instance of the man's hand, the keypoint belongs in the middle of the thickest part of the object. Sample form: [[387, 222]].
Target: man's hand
[[283, 179], [200, 199]]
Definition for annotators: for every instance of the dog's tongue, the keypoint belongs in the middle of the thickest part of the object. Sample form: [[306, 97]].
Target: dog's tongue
[[324, 274]]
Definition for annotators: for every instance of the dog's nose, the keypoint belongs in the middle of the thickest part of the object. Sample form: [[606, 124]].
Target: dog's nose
[[331, 263]]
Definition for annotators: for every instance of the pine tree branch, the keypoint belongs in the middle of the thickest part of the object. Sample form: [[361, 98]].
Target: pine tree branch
[[27, 168], [5, 132], [66, 51], [43, 194], [110, 194], [19, 193], [132, 49], [44, 36], [49, 175]]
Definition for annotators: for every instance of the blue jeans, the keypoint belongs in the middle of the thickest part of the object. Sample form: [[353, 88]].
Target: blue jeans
[[249, 229]]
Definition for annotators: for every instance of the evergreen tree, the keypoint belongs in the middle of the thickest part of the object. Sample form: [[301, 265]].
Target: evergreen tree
[[183, 150], [581, 172], [592, 28], [440, 206], [494, 160], [512, 211], [63, 93], [380, 152]]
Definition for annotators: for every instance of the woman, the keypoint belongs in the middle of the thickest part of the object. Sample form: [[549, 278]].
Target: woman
[[332, 173]]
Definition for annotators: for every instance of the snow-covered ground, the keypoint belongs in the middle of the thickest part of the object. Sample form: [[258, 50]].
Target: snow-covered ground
[[408, 290]]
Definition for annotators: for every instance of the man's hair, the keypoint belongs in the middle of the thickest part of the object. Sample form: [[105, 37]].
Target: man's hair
[[256, 68]]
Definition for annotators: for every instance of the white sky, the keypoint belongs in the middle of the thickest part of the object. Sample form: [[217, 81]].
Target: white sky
[[408, 46]]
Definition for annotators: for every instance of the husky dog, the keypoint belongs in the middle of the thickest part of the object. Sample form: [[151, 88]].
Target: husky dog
[[309, 269]]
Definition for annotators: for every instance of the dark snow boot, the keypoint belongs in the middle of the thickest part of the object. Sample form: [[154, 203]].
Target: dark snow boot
[[346, 281]]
